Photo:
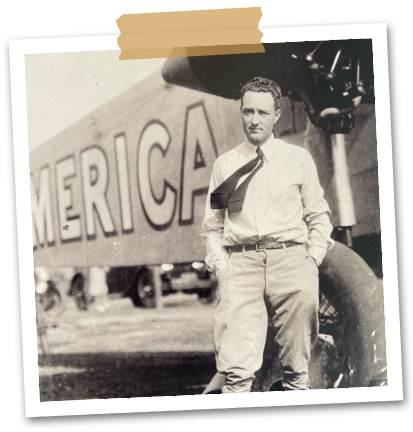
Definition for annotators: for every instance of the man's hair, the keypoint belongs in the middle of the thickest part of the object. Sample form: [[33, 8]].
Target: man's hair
[[263, 85]]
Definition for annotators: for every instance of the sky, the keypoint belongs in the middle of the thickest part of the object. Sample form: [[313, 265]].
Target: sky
[[62, 88]]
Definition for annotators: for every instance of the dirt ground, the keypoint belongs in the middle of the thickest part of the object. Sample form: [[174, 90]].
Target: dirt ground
[[115, 350]]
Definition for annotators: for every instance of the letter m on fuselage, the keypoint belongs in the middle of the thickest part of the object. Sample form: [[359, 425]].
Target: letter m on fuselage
[[41, 209]]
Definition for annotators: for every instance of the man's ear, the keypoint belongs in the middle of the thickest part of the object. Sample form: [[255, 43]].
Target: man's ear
[[277, 115]]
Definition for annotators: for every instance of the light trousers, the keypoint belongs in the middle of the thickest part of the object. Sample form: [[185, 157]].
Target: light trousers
[[276, 287]]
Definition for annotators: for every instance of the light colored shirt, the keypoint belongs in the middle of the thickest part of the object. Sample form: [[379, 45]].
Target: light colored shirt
[[284, 202]]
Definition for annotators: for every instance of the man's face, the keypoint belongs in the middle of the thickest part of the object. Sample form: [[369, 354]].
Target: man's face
[[258, 116]]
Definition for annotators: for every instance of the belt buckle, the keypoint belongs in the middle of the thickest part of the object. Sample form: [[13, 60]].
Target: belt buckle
[[257, 248]]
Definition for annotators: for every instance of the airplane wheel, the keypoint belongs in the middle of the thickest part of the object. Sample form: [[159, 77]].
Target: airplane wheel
[[350, 350], [353, 314]]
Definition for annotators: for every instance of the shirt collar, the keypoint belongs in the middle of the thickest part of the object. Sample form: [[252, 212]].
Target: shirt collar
[[267, 148]]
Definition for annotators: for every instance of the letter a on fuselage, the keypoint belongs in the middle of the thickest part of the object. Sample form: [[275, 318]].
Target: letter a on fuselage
[[198, 157]]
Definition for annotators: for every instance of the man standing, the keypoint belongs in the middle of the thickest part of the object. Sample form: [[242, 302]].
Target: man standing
[[267, 230]]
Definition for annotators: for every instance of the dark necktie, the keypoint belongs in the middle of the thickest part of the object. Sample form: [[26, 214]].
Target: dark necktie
[[225, 195]]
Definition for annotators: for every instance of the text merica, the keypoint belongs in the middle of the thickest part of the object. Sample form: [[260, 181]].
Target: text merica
[[158, 204]]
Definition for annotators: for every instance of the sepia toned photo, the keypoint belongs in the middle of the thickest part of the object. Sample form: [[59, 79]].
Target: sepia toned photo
[[206, 225]]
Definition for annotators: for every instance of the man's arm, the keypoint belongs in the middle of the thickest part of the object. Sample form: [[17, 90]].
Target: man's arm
[[213, 228], [316, 212]]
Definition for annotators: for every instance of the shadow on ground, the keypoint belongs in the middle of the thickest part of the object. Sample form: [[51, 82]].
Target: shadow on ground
[[123, 375]]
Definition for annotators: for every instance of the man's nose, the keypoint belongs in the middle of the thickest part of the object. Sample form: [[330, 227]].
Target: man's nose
[[255, 119]]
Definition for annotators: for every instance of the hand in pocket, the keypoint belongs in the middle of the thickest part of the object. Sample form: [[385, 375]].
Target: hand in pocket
[[221, 268]]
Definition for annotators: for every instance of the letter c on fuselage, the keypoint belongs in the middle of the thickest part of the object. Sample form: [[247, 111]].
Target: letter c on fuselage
[[158, 211]]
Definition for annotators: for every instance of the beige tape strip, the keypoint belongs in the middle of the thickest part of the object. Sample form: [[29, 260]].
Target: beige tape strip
[[180, 39], [190, 33]]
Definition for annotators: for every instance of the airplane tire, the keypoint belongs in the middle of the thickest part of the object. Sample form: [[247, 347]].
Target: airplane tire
[[353, 317], [355, 293]]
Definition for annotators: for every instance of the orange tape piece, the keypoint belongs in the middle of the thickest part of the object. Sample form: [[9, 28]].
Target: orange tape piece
[[190, 33]]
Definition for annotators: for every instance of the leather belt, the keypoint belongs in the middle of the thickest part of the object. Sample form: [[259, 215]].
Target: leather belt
[[261, 246]]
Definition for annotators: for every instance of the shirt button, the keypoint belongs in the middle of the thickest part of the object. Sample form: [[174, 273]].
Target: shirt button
[[265, 260]]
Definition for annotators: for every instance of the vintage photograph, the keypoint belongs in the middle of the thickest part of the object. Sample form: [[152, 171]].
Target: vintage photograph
[[212, 228]]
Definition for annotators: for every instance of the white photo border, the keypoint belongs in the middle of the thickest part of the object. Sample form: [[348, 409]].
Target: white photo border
[[35, 408]]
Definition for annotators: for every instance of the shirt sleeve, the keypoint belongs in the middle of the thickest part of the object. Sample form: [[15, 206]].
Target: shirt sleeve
[[213, 228], [316, 212]]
